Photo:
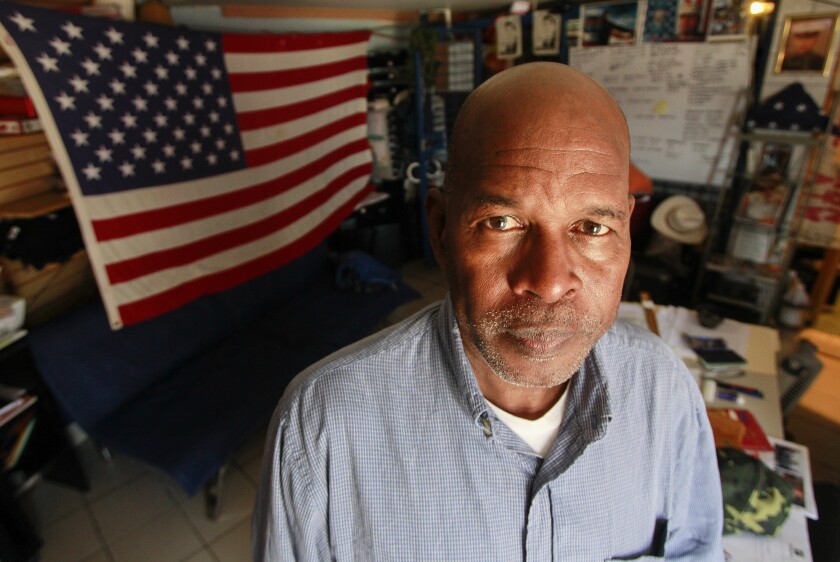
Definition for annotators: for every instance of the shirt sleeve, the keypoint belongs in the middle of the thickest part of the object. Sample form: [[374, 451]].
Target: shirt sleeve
[[290, 517], [695, 527]]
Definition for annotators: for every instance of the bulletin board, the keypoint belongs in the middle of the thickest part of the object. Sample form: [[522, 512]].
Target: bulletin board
[[683, 102]]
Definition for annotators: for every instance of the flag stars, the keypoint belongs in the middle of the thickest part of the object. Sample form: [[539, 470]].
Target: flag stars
[[65, 101], [195, 146], [170, 103], [205, 131], [79, 137], [161, 72], [198, 103], [79, 84], [222, 101], [220, 144], [234, 155], [182, 43], [161, 120], [151, 40], [200, 60], [127, 169], [93, 121], [117, 137], [129, 120], [104, 154], [171, 58], [210, 46], [128, 70], [151, 88], [114, 36], [103, 52], [186, 163], [48, 63], [61, 46], [181, 89], [158, 166], [228, 129], [72, 30], [190, 73], [91, 67], [189, 118], [179, 134], [24, 23], [92, 172], [168, 150], [117, 86], [105, 103], [149, 136], [214, 116], [212, 159], [138, 152], [140, 56], [216, 74], [140, 104], [207, 88]]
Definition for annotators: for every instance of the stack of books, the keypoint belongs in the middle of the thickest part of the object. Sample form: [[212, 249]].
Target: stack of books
[[17, 420]]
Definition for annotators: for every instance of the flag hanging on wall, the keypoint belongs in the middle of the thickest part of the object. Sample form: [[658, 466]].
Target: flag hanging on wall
[[195, 161]]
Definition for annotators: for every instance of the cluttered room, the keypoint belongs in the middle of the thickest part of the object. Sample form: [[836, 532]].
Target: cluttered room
[[200, 200]]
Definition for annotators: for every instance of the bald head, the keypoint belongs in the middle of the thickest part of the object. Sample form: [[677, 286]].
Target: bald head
[[537, 105]]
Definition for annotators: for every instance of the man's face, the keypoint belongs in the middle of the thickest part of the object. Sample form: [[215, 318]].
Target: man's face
[[536, 248], [803, 43]]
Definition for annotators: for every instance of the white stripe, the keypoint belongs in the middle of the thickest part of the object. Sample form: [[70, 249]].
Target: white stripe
[[266, 136], [183, 234], [163, 280], [144, 199], [269, 62], [278, 97]]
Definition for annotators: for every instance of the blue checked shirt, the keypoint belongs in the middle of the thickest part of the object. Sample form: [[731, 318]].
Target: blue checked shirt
[[388, 451]]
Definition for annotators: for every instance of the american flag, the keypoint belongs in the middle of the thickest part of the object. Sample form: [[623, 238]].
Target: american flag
[[195, 161]]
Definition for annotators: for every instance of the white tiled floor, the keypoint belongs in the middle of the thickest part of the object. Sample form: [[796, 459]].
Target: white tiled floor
[[134, 512]]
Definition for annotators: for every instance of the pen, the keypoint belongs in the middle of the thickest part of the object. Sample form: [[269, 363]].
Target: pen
[[742, 389], [729, 396]]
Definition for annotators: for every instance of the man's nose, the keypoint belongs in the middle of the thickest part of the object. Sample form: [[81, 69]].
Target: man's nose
[[546, 268]]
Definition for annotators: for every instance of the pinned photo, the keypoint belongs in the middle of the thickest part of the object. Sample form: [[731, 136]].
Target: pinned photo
[[509, 37]]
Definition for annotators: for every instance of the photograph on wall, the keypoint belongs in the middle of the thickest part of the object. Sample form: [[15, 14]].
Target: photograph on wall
[[509, 37], [661, 21], [806, 44], [546, 35], [728, 20], [573, 32], [691, 20], [610, 23]]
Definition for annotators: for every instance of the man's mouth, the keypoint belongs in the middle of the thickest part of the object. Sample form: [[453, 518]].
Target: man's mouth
[[540, 343]]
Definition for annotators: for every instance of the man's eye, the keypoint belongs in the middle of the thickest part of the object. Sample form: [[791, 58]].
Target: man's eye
[[593, 228], [501, 223]]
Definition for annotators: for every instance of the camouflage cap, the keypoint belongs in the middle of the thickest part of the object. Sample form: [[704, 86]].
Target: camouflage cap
[[755, 498]]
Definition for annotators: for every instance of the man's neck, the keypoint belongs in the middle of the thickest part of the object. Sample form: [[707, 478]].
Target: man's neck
[[523, 402]]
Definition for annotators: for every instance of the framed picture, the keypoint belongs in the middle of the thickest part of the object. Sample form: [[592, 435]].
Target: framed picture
[[807, 44], [509, 37], [661, 21], [774, 160], [610, 23], [546, 33], [728, 20], [765, 201]]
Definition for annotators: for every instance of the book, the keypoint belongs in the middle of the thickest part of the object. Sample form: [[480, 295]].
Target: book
[[26, 172], [25, 189], [737, 428], [715, 359], [21, 106], [20, 443], [10, 143], [19, 125], [25, 155], [12, 409]]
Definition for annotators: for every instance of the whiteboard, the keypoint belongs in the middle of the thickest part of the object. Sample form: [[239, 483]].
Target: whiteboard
[[683, 102]]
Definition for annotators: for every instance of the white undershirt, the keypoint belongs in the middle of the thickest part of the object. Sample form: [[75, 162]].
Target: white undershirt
[[540, 433]]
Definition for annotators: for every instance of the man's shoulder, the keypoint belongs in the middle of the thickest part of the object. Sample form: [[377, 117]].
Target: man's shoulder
[[629, 340], [373, 362]]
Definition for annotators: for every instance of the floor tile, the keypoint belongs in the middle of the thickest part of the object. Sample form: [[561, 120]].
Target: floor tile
[[203, 555], [238, 494], [167, 537], [234, 546], [107, 475], [71, 539], [47, 502], [130, 506]]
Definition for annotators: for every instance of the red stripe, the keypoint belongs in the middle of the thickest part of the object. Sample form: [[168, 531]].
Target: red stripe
[[256, 81], [269, 43], [127, 270], [155, 219], [250, 120], [282, 149], [137, 311]]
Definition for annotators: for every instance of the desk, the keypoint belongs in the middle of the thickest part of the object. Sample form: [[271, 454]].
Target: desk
[[760, 346]]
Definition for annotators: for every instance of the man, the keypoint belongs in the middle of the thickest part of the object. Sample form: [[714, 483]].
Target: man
[[802, 49], [510, 422]]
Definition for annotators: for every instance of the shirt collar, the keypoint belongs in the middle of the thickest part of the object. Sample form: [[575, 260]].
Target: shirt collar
[[587, 411]]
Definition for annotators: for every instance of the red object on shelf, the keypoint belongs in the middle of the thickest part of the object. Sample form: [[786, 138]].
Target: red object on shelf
[[17, 106]]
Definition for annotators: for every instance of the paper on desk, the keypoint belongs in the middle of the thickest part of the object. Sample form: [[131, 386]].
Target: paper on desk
[[791, 462], [674, 321], [791, 544]]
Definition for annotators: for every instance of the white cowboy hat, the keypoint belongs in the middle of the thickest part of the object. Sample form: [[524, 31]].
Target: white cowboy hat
[[680, 218]]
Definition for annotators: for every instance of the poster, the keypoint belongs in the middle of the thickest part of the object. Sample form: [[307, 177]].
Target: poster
[[821, 220], [683, 103]]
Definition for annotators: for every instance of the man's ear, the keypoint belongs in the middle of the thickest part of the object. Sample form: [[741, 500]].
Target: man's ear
[[631, 204], [436, 219]]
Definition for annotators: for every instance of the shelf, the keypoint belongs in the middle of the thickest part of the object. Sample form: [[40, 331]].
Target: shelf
[[735, 302], [723, 263], [787, 137], [35, 206]]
